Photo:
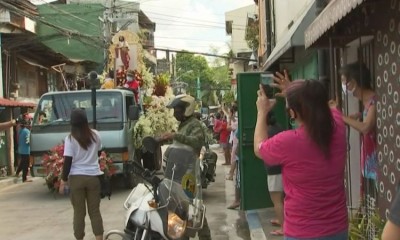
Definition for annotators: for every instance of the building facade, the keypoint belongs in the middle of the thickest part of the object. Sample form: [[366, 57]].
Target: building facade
[[236, 22]]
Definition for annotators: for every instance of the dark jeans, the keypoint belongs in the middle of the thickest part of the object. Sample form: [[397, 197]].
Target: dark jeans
[[339, 236], [23, 166]]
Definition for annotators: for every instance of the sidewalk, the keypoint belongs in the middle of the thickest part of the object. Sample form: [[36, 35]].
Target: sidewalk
[[9, 181], [259, 224], [258, 220]]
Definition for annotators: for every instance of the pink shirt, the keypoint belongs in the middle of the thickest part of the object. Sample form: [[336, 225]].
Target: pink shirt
[[315, 201]]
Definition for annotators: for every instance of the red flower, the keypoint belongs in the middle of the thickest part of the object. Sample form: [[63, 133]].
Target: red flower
[[53, 163]]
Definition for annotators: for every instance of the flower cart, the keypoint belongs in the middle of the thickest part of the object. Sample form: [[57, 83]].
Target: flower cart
[[156, 119]]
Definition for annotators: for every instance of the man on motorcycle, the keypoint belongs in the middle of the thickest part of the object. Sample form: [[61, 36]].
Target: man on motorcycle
[[191, 133]]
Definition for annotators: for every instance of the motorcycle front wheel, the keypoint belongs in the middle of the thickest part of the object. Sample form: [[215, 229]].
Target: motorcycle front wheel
[[116, 235]]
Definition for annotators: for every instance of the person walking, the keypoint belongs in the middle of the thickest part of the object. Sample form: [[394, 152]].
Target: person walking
[[312, 157], [24, 150], [81, 170]]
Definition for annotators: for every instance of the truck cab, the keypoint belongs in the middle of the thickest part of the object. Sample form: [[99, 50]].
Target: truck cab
[[113, 120]]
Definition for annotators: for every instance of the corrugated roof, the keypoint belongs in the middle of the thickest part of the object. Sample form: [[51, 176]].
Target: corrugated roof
[[24, 5], [11, 103], [82, 20]]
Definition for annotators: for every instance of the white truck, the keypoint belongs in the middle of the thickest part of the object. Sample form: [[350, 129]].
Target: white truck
[[116, 113]]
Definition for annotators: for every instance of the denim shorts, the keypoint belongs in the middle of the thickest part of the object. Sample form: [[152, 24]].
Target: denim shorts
[[339, 236]]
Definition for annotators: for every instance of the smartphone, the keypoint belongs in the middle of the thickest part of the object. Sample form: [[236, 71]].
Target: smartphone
[[266, 80]]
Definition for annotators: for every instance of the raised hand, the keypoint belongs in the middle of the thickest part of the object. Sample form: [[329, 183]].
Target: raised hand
[[282, 82]]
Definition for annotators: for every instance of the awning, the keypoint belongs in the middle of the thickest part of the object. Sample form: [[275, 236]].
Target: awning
[[11, 103], [294, 36], [32, 62], [333, 12]]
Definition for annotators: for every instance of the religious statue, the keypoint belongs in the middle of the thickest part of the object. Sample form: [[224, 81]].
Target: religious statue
[[122, 53]]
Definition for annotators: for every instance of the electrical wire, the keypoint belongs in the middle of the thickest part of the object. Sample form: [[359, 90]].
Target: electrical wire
[[61, 30], [67, 13]]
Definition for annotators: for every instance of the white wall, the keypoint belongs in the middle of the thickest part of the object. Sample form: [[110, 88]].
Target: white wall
[[351, 105], [239, 21]]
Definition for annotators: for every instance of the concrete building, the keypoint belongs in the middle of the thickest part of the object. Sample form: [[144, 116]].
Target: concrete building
[[235, 26]]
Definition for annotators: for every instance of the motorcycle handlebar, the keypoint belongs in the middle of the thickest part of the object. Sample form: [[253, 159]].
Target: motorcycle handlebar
[[146, 174]]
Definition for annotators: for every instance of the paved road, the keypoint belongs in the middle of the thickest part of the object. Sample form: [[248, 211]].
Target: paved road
[[29, 211]]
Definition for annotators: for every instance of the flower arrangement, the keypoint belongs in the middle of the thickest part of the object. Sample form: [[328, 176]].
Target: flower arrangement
[[158, 119], [161, 83], [53, 163], [147, 78], [106, 164]]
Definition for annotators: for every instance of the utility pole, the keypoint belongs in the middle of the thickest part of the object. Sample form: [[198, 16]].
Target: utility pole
[[107, 27], [198, 88]]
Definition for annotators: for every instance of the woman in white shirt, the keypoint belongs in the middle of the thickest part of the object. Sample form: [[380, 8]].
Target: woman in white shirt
[[81, 170]]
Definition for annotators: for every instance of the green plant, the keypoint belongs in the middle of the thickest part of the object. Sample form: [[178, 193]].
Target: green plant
[[252, 35], [228, 98], [161, 83], [360, 225]]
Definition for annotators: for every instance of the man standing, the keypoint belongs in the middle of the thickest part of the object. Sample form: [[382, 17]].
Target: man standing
[[133, 84], [24, 150], [191, 133]]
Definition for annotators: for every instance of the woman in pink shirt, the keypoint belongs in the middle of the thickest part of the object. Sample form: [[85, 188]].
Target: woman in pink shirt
[[312, 158]]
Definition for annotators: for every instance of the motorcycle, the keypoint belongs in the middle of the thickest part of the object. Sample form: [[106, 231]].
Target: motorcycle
[[207, 159], [169, 208]]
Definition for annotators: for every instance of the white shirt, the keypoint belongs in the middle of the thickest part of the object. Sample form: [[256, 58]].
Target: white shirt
[[84, 162]]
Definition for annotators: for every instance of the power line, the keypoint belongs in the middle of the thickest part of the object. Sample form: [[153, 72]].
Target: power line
[[199, 53], [189, 19], [67, 13], [58, 28], [63, 31]]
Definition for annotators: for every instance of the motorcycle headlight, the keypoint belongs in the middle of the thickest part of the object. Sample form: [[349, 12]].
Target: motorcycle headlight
[[176, 226]]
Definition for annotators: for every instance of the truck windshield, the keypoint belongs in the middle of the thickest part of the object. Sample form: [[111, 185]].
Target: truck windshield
[[56, 109]]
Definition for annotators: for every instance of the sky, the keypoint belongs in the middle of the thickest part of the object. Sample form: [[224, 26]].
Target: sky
[[193, 25]]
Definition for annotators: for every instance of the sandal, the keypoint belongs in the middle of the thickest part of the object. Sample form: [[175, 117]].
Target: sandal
[[275, 222], [234, 206], [278, 232]]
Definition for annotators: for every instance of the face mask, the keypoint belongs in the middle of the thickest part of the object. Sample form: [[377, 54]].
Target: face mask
[[346, 90], [129, 79]]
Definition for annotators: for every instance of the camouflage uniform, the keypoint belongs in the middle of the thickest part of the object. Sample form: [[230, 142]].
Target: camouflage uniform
[[190, 132]]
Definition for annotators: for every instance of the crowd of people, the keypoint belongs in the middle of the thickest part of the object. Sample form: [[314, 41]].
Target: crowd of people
[[306, 182], [295, 175]]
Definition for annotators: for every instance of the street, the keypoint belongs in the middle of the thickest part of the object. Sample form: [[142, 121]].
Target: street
[[30, 211]]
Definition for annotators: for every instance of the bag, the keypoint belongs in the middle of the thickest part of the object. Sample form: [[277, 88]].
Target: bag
[[105, 186]]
